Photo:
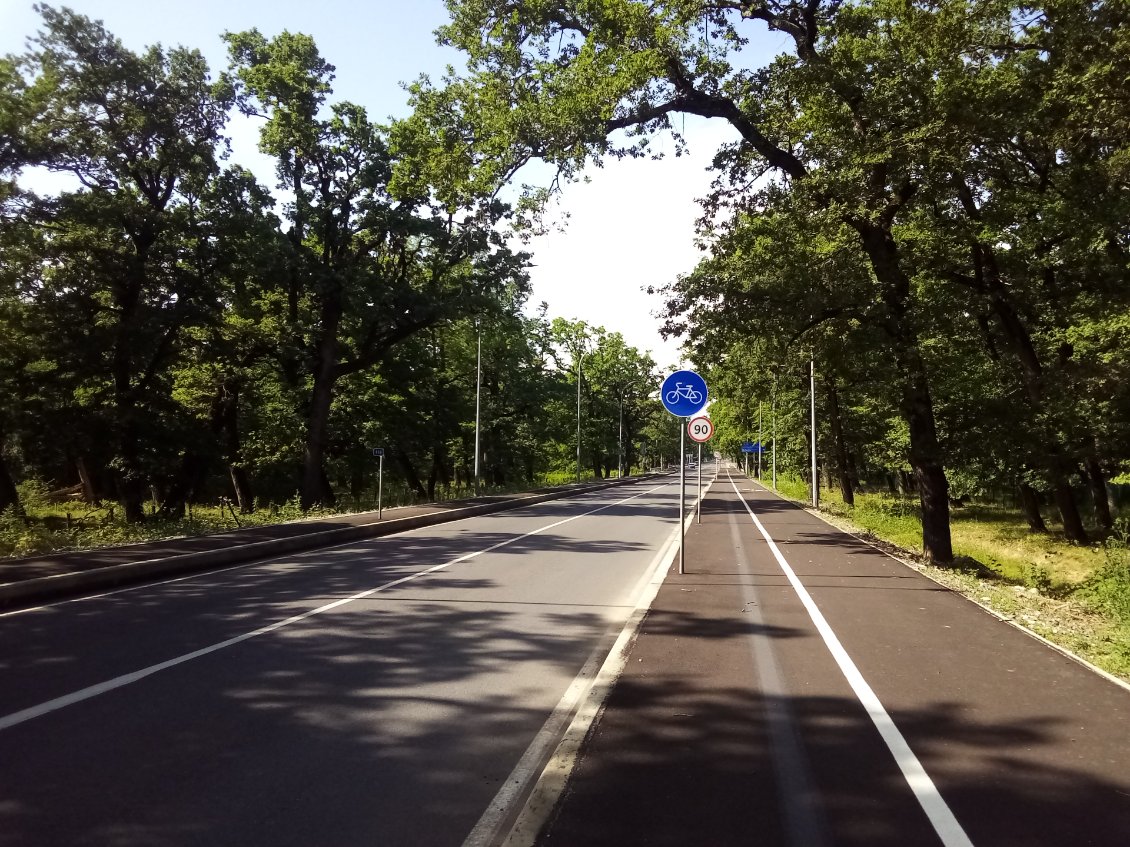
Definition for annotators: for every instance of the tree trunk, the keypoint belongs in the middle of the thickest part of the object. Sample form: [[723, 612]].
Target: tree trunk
[[241, 485], [1019, 340], [89, 491], [315, 487], [193, 471], [916, 404], [1097, 481], [131, 485], [1068, 508], [410, 475], [225, 426], [433, 475], [9, 496], [1069, 512], [929, 473], [842, 464], [1030, 505]]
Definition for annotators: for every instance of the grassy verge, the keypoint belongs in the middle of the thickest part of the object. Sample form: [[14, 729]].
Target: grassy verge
[[1075, 596], [47, 527]]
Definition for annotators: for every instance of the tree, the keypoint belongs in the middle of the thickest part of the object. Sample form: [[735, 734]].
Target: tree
[[368, 270], [116, 278]]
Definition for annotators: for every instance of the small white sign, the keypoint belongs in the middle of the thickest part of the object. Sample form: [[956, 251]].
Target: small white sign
[[700, 429]]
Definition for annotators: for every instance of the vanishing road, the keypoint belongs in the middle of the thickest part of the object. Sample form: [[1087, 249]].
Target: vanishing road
[[796, 687], [374, 693]]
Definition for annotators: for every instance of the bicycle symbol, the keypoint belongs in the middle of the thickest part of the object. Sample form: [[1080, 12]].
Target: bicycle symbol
[[681, 390]]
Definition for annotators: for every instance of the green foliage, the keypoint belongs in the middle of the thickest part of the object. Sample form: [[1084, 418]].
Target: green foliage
[[164, 331], [928, 199], [1108, 589]]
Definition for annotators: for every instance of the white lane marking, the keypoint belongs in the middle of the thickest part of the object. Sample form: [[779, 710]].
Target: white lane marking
[[258, 562], [10, 720], [530, 818], [805, 823], [941, 817]]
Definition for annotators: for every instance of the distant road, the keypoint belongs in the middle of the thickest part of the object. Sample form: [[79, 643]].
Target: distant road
[[373, 693]]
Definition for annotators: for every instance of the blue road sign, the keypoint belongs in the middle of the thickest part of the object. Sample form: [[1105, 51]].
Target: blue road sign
[[378, 451], [683, 393], [752, 447]]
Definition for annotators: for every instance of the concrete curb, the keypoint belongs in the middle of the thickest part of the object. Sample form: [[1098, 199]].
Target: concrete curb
[[59, 586]]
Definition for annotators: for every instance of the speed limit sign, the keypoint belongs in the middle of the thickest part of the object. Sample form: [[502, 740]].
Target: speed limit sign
[[700, 429]]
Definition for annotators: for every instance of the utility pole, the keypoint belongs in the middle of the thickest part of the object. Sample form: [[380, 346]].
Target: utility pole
[[682, 493], [581, 350], [812, 397], [620, 457], [579, 357], [478, 392], [760, 443], [774, 431]]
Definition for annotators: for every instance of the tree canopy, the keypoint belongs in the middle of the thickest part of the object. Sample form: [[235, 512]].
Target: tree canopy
[[175, 331], [919, 186]]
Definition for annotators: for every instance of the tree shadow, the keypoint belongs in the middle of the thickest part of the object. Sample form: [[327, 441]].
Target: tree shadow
[[672, 763]]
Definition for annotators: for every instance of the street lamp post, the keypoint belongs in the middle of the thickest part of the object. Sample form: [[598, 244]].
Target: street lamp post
[[774, 425], [620, 455], [478, 392], [812, 398], [580, 356]]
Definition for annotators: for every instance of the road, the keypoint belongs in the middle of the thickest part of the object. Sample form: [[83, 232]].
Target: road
[[374, 693], [798, 687]]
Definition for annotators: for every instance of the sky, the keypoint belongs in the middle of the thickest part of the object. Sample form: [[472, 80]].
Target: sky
[[629, 226]]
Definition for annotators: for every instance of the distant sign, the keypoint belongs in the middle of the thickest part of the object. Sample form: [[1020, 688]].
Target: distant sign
[[378, 452], [752, 447], [700, 429], [683, 393]]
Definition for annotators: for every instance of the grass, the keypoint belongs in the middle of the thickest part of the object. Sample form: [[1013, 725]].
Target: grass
[[1075, 596], [47, 527]]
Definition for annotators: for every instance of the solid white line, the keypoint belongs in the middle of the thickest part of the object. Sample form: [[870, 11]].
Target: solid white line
[[15, 718], [543, 797], [589, 687], [940, 815]]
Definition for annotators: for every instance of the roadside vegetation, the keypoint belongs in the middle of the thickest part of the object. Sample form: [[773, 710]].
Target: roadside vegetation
[[1077, 596], [175, 333], [45, 526]]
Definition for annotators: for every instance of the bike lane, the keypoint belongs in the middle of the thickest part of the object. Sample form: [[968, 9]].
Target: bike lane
[[733, 723]]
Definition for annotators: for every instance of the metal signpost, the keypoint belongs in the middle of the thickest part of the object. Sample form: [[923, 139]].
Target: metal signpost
[[379, 452], [683, 394], [747, 448], [700, 429]]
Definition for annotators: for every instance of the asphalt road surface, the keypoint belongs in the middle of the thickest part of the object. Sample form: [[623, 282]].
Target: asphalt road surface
[[800, 688], [795, 687], [373, 693]]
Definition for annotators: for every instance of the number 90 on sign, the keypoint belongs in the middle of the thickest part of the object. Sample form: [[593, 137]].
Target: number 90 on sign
[[700, 429]]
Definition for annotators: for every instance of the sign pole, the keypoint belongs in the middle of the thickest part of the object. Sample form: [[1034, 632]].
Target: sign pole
[[682, 496], [380, 482], [698, 505], [684, 394]]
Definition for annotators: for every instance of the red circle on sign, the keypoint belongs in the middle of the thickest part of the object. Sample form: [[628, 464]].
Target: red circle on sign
[[700, 429]]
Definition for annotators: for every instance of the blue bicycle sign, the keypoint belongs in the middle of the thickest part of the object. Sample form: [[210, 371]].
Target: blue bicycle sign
[[683, 393]]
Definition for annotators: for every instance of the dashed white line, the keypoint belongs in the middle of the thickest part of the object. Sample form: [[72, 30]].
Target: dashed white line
[[15, 718]]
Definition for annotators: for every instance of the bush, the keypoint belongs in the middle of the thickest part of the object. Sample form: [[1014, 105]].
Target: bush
[[18, 538], [1108, 589]]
